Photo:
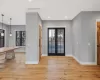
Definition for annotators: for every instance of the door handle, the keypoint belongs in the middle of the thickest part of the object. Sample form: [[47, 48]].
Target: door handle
[[98, 45]]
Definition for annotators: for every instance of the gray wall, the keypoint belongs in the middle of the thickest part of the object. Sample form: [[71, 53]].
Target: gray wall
[[55, 24], [77, 36], [84, 32], [32, 38], [12, 39]]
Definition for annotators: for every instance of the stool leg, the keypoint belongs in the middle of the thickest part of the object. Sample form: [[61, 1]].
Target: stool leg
[[10, 55], [13, 54]]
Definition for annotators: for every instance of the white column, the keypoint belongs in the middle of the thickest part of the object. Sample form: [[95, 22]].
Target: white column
[[32, 37]]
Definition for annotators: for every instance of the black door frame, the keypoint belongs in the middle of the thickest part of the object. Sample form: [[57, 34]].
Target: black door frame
[[52, 54], [2, 37]]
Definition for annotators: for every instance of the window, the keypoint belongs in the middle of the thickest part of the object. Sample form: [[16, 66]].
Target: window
[[20, 38], [2, 38]]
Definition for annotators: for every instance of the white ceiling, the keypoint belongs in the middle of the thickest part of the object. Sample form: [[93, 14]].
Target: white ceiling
[[55, 9]]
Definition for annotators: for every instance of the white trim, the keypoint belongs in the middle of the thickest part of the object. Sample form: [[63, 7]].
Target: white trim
[[88, 63], [31, 62], [97, 20], [69, 55], [84, 63], [44, 55], [19, 30], [56, 26], [76, 59], [33, 10]]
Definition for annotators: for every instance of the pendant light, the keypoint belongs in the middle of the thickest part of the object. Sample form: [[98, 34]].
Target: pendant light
[[2, 34], [10, 27]]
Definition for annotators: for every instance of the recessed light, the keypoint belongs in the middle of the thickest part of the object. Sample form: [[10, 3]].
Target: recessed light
[[30, 0], [66, 17], [82, 9], [48, 16]]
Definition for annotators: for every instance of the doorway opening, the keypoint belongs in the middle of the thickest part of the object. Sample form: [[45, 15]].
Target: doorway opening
[[98, 43], [56, 41], [40, 41]]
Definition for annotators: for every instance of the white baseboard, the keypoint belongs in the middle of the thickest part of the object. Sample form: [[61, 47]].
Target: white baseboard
[[69, 55], [44, 55], [88, 63], [84, 63], [76, 59], [31, 62]]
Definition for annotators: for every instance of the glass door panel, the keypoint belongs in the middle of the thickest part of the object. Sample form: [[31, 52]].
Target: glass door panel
[[60, 41], [52, 41]]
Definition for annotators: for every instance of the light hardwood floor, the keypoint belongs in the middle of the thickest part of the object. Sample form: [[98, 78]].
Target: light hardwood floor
[[49, 68]]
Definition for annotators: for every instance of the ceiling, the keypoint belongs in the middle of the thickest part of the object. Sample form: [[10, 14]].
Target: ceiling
[[54, 9]]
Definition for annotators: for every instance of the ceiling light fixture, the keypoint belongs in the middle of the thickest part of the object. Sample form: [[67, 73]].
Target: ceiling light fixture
[[10, 27], [66, 17], [48, 16], [2, 34]]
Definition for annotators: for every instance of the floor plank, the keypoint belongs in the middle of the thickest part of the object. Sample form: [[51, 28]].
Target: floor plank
[[49, 68]]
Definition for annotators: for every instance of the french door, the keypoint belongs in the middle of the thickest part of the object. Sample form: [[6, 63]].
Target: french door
[[2, 38], [56, 41]]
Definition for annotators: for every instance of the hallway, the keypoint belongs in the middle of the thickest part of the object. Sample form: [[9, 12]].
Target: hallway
[[49, 68]]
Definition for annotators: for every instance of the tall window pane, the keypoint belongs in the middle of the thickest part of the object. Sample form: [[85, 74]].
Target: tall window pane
[[2, 38], [20, 38]]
